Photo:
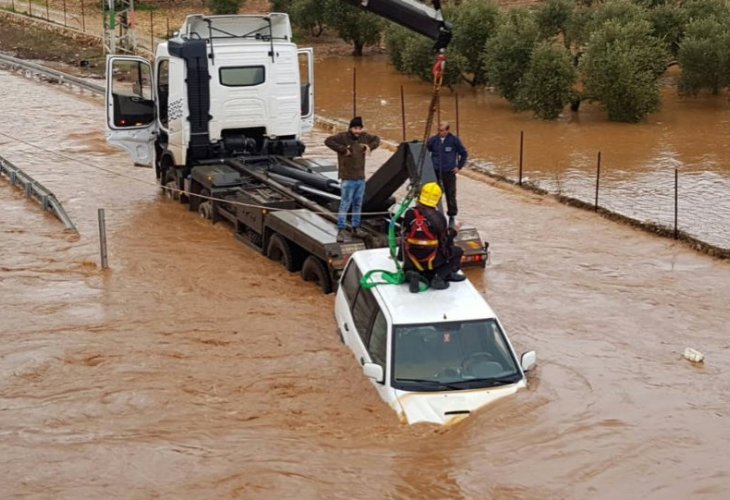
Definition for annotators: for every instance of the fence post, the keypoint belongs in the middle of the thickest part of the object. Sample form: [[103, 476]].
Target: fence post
[[676, 202], [13, 6], [403, 112], [64, 13], [48, 12], [354, 91], [83, 17], [152, 31], [456, 101], [102, 239], [30, 9], [598, 180], [522, 149], [167, 32]]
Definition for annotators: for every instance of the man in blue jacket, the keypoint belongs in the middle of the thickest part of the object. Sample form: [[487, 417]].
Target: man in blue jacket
[[448, 156]]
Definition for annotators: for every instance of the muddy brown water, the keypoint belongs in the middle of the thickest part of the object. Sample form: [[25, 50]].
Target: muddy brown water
[[196, 368], [637, 160]]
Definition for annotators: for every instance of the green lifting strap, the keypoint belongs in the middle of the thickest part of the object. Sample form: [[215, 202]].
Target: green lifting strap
[[388, 277]]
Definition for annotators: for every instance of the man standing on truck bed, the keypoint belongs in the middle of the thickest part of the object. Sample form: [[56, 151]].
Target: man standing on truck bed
[[352, 148], [448, 156]]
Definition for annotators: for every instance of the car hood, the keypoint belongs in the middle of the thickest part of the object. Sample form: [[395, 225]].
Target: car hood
[[449, 407]]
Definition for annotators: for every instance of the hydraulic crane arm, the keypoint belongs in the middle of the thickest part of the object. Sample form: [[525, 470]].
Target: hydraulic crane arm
[[413, 15]]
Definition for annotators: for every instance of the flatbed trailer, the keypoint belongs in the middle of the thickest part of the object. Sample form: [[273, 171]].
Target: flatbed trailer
[[293, 218]]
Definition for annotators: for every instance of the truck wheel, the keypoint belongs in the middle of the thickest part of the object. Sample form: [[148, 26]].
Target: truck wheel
[[170, 185], [315, 270], [205, 206], [281, 250]]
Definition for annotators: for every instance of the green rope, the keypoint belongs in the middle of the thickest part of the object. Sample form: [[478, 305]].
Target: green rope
[[389, 277]]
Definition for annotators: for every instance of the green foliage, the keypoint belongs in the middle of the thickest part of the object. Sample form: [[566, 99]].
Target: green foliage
[[621, 69], [507, 54], [308, 15], [353, 25], [474, 22], [548, 82], [554, 17], [218, 7], [668, 22], [705, 56], [703, 9], [618, 11]]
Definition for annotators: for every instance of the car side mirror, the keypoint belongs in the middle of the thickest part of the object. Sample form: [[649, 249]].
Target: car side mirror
[[528, 360], [373, 371]]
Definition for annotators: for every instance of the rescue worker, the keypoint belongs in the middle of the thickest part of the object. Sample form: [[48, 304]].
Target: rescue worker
[[448, 156], [428, 243], [352, 147]]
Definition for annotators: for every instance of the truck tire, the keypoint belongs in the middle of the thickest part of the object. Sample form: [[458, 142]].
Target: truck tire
[[315, 270], [281, 250]]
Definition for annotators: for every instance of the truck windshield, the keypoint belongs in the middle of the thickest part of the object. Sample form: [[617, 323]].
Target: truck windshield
[[450, 356]]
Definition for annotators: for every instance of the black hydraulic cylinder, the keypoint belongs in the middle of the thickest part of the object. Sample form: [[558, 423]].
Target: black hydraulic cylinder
[[315, 180]]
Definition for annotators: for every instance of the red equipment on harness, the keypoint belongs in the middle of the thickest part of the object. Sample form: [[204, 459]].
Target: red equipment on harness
[[421, 244]]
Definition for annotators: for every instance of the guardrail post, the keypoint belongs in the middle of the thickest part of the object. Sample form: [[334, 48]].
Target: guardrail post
[[522, 149], [403, 112], [598, 179], [354, 91], [676, 202], [102, 239]]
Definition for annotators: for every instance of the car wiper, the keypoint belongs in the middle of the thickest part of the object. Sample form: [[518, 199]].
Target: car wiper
[[430, 382], [494, 381]]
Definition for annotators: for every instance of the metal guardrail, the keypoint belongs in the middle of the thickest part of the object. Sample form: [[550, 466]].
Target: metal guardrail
[[36, 190], [55, 76]]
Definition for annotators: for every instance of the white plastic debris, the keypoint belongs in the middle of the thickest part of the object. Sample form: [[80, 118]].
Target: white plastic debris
[[693, 355]]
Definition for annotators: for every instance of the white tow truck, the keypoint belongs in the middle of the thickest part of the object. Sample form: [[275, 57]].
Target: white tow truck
[[219, 114]]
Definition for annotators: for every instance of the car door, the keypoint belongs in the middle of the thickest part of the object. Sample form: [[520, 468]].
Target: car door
[[306, 82], [130, 107]]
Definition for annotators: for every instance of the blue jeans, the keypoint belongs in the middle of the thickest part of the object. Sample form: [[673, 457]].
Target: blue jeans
[[353, 192]]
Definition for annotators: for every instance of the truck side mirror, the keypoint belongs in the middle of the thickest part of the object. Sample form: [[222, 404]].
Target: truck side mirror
[[373, 371], [528, 360]]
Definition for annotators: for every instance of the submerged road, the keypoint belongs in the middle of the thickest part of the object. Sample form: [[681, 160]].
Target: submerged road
[[195, 367]]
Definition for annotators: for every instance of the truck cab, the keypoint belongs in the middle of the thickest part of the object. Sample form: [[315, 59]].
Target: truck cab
[[223, 85], [436, 356]]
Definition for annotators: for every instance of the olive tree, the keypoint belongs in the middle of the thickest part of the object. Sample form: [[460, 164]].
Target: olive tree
[[507, 54], [308, 15], [704, 56], [353, 25], [621, 69], [547, 85], [474, 22], [668, 24]]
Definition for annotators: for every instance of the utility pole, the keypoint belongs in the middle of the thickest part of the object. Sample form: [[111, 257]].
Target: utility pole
[[119, 25]]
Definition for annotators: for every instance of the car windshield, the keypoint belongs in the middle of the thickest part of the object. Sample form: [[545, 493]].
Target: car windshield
[[448, 356]]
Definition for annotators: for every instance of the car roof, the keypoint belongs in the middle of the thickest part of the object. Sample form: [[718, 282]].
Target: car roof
[[460, 302]]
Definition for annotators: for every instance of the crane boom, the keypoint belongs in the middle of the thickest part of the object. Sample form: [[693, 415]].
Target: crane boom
[[416, 16]]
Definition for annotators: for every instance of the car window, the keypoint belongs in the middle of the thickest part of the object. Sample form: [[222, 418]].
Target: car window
[[379, 339], [363, 311], [351, 281]]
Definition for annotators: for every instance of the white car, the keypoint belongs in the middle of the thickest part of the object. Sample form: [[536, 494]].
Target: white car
[[434, 356]]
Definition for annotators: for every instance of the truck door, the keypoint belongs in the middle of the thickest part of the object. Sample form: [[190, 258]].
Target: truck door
[[130, 107], [306, 78]]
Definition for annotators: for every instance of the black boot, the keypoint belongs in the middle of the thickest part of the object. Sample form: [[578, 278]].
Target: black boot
[[456, 276], [438, 283], [413, 281]]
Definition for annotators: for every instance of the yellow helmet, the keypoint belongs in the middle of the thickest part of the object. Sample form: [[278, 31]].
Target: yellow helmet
[[430, 194]]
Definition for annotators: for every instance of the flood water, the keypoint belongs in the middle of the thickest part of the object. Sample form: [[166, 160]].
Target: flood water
[[637, 160], [196, 368]]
